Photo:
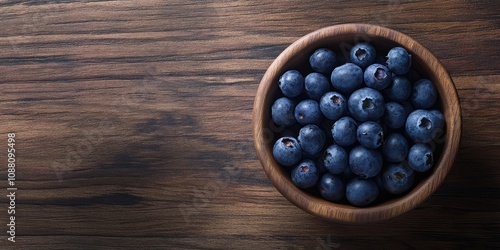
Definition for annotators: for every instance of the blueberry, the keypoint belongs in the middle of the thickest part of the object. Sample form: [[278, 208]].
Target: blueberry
[[311, 139], [331, 187], [282, 112], [364, 162], [424, 94], [305, 174], [333, 105], [362, 54], [439, 123], [287, 151], [420, 126], [377, 76], [398, 60], [335, 159], [370, 135], [395, 148], [366, 104], [397, 178], [347, 78], [323, 61], [361, 192], [291, 83], [439, 118], [316, 85], [420, 157], [394, 115], [399, 89], [308, 112], [344, 131]]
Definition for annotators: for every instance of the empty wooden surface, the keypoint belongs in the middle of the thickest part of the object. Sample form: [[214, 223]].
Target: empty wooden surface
[[133, 124]]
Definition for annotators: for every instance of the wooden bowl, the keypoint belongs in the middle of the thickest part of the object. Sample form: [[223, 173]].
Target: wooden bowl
[[339, 37]]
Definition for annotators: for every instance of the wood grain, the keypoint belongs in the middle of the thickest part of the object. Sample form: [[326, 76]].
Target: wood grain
[[133, 124]]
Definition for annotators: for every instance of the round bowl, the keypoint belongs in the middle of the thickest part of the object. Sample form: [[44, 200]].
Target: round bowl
[[339, 37]]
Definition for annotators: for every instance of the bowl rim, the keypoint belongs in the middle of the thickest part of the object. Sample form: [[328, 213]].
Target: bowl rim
[[343, 212]]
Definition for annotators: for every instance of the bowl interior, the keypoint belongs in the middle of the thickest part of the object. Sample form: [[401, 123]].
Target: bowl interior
[[340, 38]]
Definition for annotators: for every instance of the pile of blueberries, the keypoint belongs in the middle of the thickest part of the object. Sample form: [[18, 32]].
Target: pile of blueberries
[[357, 130]]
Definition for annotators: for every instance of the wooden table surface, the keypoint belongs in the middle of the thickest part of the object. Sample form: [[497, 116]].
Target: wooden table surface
[[132, 122]]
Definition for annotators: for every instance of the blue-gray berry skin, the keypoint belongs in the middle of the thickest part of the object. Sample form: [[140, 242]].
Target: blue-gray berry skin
[[323, 60], [395, 148], [311, 139], [366, 104], [282, 112], [291, 83], [377, 76], [287, 151], [370, 135], [335, 159], [439, 118], [399, 60], [365, 163], [399, 90], [344, 131], [420, 157], [347, 78], [421, 126], [361, 192], [331, 187], [308, 112], [394, 115], [362, 54], [305, 174], [424, 94], [397, 178], [439, 122], [333, 105], [316, 85]]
